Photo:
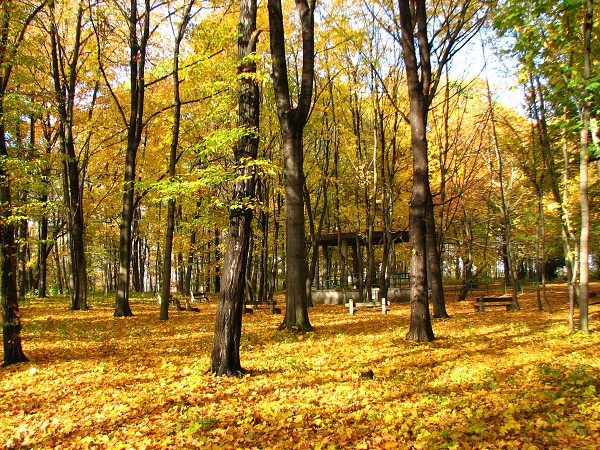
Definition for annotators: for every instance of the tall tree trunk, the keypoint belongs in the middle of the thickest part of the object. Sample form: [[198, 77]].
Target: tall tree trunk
[[65, 79], [292, 121], [506, 219], [225, 359], [168, 253], [569, 240], [296, 315], [11, 322], [263, 281], [43, 249], [137, 62], [420, 321], [585, 108]]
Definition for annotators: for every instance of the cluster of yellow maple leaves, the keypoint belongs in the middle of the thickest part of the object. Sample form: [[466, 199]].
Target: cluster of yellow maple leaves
[[496, 379]]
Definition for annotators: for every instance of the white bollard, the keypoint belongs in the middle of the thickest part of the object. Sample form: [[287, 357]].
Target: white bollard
[[384, 305], [352, 306]]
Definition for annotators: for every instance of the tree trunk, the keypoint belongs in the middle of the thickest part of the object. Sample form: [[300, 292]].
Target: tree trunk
[[569, 239], [11, 322], [168, 253], [137, 61], [296, 314], [434, 270], [42, 267], [292, 121], [218, 258], [263, 281], [22, 233], [167, 256], [65, 97], [585, 108], [420, 320], [509, 258], [225, 359], [136, 253]]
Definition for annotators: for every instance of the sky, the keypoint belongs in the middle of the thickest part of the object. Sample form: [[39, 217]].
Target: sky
[[470, 62]]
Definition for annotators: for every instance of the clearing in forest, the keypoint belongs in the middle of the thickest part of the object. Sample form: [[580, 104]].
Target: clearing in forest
[[498, 379]]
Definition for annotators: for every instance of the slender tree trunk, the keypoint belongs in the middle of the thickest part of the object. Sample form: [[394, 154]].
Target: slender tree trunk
[[541, 256], [583, 174], [43, 254], [263, 282], [136, 254], [506, 220], [43, 249], [434, 270], [59, 271], [65, 97], [22, 233], [137, 63], [225, 359], [168, 253]]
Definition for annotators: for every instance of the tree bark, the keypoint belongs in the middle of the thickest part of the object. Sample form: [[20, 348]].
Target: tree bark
[[168, 253], [137, 62], [420, 320], [65, 79], [434, 270], [225, 359], [509, 261], [585, 108], [11, 323], [292, 121]]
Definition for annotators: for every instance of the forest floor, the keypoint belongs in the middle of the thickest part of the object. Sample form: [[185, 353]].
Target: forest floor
[[497, 379]]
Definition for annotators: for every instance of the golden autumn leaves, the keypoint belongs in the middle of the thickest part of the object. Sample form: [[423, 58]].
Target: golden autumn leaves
[[497, 379]]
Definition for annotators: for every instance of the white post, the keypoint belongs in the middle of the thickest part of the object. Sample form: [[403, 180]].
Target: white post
[[351, 306], [384, 305]]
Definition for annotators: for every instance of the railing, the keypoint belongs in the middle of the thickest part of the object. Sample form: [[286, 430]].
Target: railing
[[333, 281]]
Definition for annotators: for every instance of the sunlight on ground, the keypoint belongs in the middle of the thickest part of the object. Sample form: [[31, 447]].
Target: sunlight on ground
[[496, 379]]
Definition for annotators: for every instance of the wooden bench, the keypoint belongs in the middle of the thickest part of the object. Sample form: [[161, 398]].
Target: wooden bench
[[486, 301], [198, 296], [159, 299], [250, 305], [353, 304]]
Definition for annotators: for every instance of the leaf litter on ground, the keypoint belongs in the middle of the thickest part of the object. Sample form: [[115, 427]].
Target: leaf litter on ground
[[497, 379]]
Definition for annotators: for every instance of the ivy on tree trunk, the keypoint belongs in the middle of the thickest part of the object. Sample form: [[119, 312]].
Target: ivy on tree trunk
[[225, 359]]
